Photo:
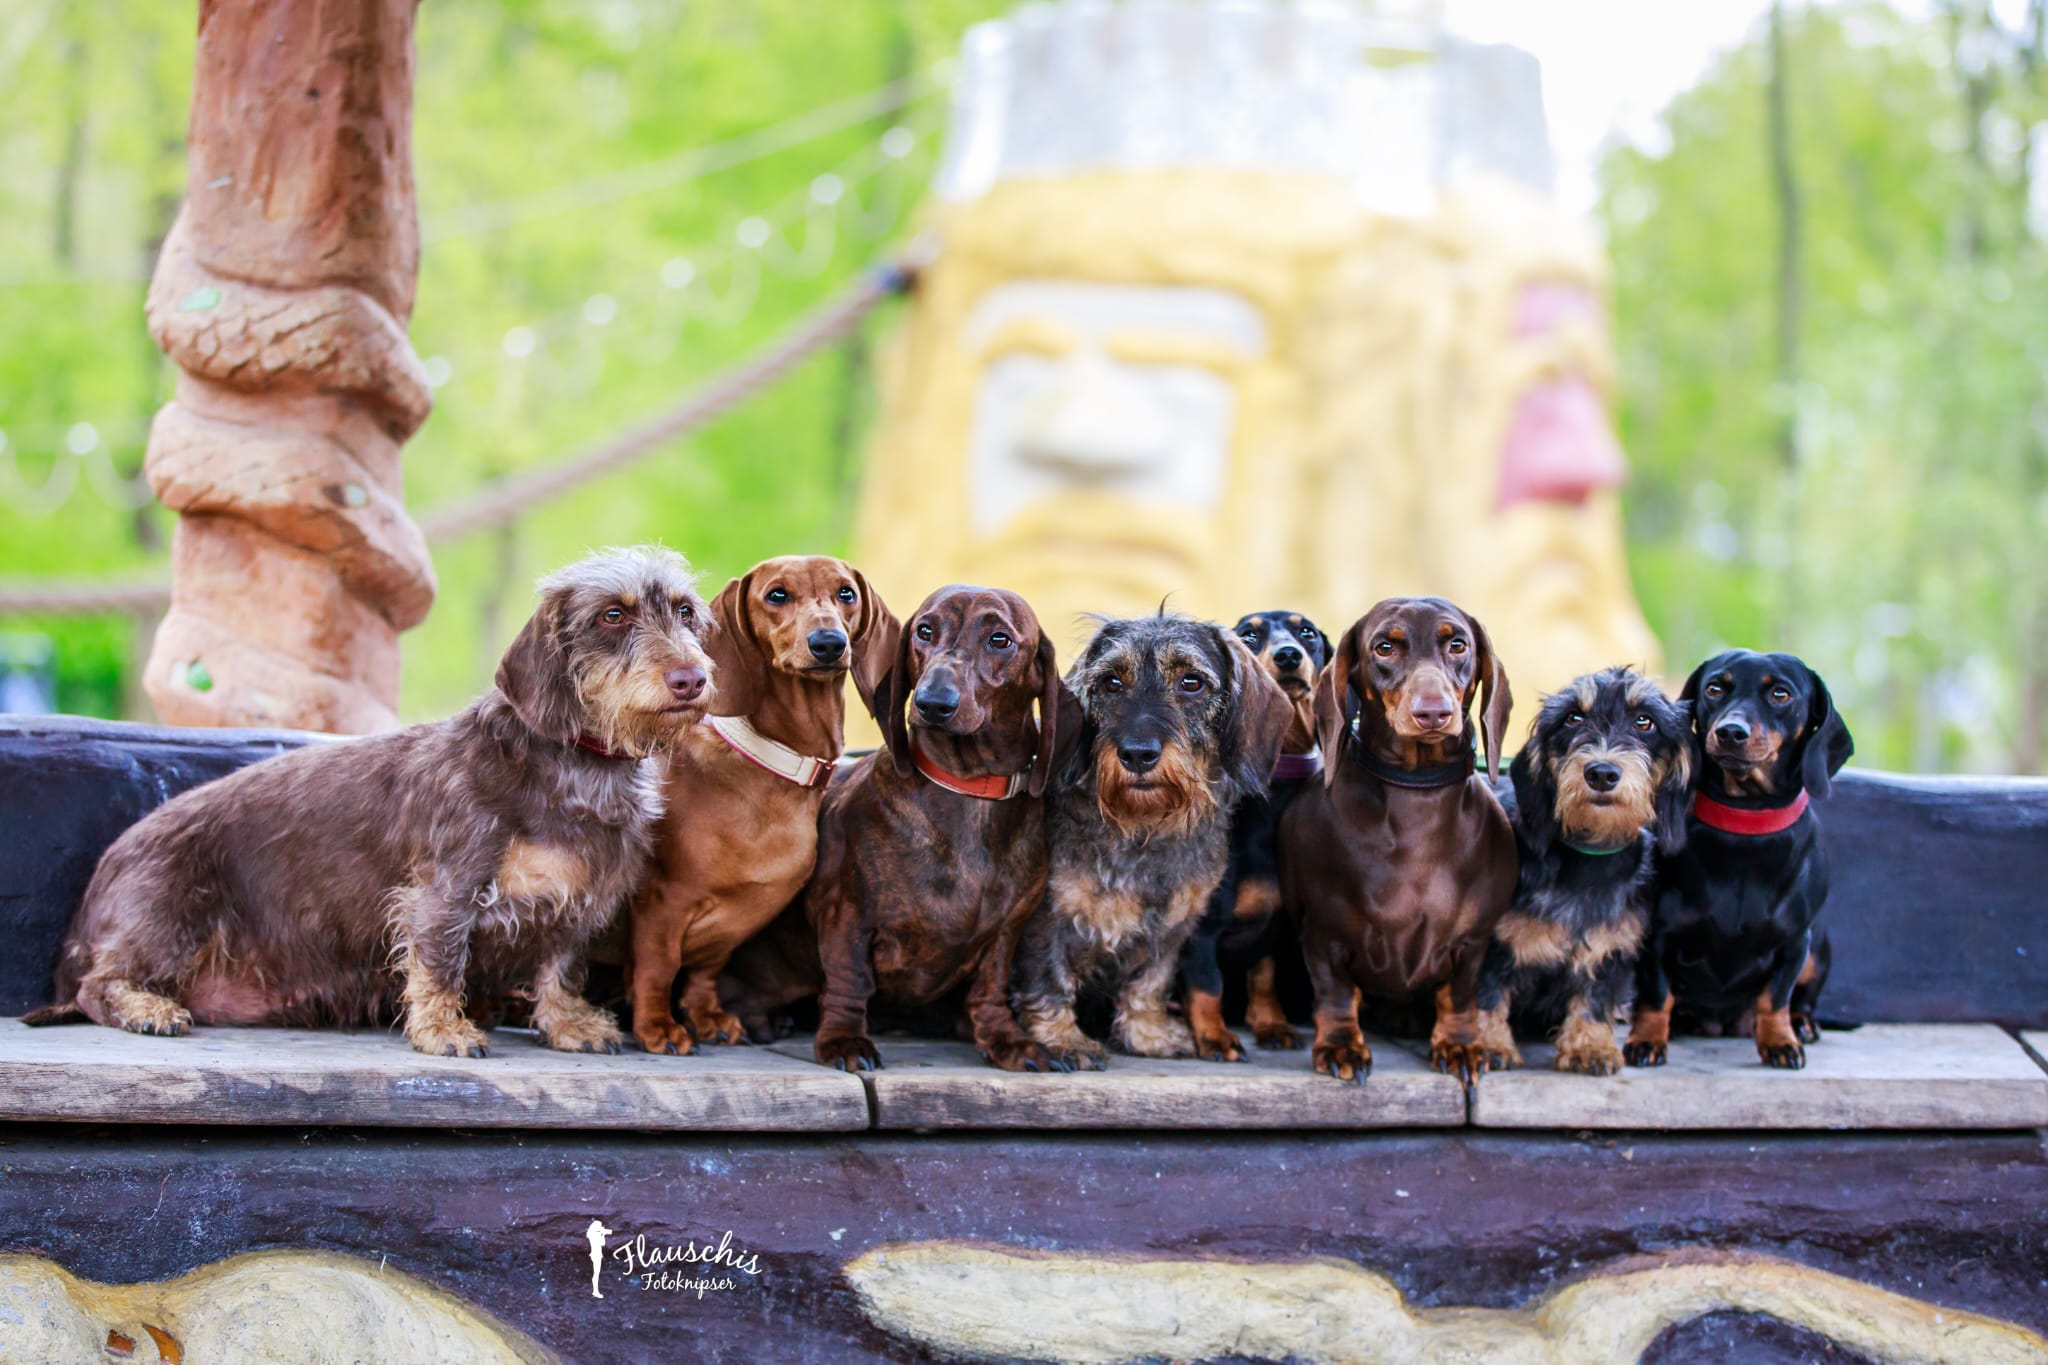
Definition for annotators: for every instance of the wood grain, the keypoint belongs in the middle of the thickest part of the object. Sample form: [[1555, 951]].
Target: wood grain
[[84, 1073], [1878, 1076]]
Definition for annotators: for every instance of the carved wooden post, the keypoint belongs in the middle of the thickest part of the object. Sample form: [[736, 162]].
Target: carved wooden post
[[282, 294]]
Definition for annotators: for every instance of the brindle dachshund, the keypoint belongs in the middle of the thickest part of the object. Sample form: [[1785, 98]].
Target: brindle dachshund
[[1734, 932], [1400, 862], [932, 851], [1240, 932], [1600, 789]]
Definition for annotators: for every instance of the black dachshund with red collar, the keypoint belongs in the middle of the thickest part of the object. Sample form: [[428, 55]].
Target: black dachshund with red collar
[[1734, 928]]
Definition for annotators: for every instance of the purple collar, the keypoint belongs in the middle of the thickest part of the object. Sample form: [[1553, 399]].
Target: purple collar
[[1295, 767]]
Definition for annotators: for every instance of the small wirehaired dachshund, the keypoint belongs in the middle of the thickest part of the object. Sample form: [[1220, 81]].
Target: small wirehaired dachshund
[[1734, 938], [1601, 788], [1240, 933], [1400, 862], [478, 854], [1179, 723]]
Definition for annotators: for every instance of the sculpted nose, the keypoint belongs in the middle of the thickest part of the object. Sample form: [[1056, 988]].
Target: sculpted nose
[[827, 645], [1288, 657], [1732, 732], [937, 702], [1139, 755], [1602, 777], [686, 684]]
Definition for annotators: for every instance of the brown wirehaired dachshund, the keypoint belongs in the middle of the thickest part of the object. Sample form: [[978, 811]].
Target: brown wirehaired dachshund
[[743, 789], [932, 851], [1401, 860]]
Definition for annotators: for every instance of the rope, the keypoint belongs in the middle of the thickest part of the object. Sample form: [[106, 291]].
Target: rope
[[508, 499]]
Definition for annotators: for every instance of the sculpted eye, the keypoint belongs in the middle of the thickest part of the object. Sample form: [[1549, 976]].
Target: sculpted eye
[[848, 596], [1644, 723], [1112, 683], [1192, 683], [1457, 645], [1383, 648], [777, 595], [613, 615], [1574, 718], [999, 640], [925, 631]]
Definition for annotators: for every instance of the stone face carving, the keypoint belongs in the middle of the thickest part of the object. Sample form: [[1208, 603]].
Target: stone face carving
[[282, 295]]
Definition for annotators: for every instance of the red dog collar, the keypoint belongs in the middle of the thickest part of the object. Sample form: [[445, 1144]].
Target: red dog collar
[[1296, 767], [993, 788], [1742, 820], [588, 743]]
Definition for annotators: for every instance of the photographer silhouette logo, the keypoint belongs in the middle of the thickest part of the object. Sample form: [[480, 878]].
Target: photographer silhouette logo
[[691, 1267], [596, 1232]]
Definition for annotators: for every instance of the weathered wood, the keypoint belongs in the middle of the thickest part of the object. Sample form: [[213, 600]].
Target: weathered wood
[[933, 1084], [1880, 1076], [292, 1076]]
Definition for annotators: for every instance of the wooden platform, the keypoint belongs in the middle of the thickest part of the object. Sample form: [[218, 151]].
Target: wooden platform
[[1884, 1076], [83, 1073]]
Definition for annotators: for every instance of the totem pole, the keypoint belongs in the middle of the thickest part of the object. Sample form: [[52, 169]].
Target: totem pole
[[282, 294]]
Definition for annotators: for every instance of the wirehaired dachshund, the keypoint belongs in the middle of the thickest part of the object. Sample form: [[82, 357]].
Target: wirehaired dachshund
[[932, 850], [744, 788], [1600, 789], [1240, 932], [1179, 723], [1733, 930], [429, 869], [1400, 862]]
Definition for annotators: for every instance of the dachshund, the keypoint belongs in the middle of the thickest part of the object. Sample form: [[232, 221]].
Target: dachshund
[[1733, 928], [1179, 723], [1400, 862], [744, 788], [477, 856], [931, 851], [1602, 786], [1240, 931]]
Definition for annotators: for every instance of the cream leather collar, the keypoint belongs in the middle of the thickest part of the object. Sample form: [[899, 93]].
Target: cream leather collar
[[778, 758]]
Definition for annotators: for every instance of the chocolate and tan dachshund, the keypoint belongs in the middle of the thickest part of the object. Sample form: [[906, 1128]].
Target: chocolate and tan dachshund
[[1401, 861], [744, 788], [931, 851]]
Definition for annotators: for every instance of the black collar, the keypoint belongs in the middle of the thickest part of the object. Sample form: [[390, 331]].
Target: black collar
[[1436, 775]]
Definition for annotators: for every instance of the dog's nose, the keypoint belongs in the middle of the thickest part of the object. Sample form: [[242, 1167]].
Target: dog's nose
[[827, 645], [937, 703], [1139, 755], [1432, 713], [686, 684], [1288, 657], [1603, 777], [1732, 732]]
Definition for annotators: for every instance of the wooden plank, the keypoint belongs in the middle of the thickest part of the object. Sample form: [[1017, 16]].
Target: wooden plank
[[2037, 1044], [934, 1084], [83, 1073], [1878, 1076]]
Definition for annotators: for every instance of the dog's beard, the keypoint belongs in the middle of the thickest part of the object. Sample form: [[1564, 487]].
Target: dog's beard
[[1606, 819], [1175, 798], [627, 705]]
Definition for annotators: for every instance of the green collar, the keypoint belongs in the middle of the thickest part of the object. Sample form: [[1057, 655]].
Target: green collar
[[1597, 852]]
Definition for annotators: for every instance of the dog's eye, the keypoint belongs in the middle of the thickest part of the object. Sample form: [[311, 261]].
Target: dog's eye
[[1573, 718], [686, 612], [1112, 683], [1644, 723], [1305, 634], [999, 641], [1384, 648], [1457, 645], [777, 595], [1250, 638], [1781, 695], [613, 615], [925, 631], [1192, 683], [1714, 689], [848, 596]]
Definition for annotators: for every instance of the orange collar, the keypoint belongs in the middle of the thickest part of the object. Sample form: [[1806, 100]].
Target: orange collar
[[777, 757], [1747, 819], [993, 788]]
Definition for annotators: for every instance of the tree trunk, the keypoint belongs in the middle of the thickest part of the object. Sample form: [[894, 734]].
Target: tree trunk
[[282, 294]]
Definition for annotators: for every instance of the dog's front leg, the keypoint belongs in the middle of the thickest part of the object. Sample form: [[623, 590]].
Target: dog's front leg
[[1454, 1046], [1203, 978], [1143, 1024], [657, 957], [1496, 1007], [996, 1031], [845, 945], [564, 1020], [1649, 1031], [1046, 997], [434, 927], [1340, 1049], [1777, 1041]]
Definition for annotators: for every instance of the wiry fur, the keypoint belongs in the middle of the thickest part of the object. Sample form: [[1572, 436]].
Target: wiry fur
[[1135, 854], [1562, 960], [429, 868]]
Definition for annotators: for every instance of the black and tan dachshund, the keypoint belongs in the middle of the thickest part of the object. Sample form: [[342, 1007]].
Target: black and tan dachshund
[[1733, 927], [1240, 932], [1603, 785]]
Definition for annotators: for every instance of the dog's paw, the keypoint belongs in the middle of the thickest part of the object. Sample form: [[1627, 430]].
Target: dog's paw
[[1345, 1061], [451, 1038], [1088, 1055], [590, 1030], [155, 1014], [1276, 1037], [1219, 1046], [1156, 1035], [666, 1037], [721, 1026], [848, 1052], [1019, 1054], [1466, 1061], [1507, 1057], [1644, 1053], [1804, 1029], [1588, 1061], [1785, 1056]]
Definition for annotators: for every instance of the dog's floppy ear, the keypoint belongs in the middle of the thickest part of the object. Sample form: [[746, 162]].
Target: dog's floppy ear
[[891, 692], [1690, 693], [1333, 702], [877, 652], [739, 665], [1259, 716], [1496, 701], [535, 680], [1828, 743], [1057, 707], [1674, 793], [1534, 778]]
